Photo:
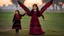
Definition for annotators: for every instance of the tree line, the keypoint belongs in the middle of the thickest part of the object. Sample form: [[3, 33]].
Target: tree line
[[56, 3]]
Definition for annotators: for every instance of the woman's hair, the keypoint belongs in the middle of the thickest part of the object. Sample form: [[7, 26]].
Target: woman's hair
[[32, 11], [17, 11]]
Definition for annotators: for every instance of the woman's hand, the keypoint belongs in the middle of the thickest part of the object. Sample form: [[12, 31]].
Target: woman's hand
[[26, 14]]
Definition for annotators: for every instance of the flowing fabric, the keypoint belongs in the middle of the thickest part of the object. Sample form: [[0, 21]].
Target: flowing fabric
[[46, 6], [42, 9], [35, 27]]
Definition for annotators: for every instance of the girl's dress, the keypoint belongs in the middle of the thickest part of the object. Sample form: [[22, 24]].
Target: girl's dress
[[17, 22]]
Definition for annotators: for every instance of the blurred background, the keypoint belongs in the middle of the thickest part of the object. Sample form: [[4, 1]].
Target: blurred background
[[8, 5], [54, 17]]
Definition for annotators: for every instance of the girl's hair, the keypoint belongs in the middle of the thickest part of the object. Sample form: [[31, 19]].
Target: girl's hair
[[17, 11], [32, 11]]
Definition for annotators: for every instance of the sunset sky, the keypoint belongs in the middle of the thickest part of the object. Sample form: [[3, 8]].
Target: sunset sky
[[6, 2], [27, 2], [31, 2]]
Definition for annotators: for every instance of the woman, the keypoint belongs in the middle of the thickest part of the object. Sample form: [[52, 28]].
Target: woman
[[35, 27], [16, 21]]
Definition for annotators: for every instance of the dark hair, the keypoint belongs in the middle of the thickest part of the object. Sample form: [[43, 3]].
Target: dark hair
[[17, 11], [32, 11]]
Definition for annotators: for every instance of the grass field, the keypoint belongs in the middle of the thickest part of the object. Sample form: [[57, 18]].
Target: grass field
[[53, 24]]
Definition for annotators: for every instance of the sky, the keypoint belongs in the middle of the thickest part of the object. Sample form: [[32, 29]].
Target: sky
[[28, 3], [31, 2], [6, 2]]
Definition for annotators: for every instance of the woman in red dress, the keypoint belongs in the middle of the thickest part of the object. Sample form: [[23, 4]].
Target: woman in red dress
[[35, 27], [16, 21]]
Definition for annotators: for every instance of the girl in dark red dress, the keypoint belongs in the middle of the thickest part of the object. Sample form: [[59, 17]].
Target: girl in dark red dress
[[35, 27], [16, 21]]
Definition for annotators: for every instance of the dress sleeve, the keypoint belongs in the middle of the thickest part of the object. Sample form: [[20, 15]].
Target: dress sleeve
[[46, 6], [24, 7], [42, 15]]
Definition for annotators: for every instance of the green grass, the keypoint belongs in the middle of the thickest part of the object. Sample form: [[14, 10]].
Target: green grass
[[53, 24]]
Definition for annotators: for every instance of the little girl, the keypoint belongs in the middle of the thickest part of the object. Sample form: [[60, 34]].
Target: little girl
[[16, 21]]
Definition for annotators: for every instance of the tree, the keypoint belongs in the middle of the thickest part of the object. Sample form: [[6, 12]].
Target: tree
[[60, 5]]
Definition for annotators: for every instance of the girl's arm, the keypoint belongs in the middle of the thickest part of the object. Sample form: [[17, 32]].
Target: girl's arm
[[23, 14]]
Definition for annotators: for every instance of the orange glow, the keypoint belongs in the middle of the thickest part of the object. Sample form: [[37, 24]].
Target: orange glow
[[29, 3], [6, 2]]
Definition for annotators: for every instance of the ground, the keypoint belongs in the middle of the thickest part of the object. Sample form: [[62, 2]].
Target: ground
[[53, 24]]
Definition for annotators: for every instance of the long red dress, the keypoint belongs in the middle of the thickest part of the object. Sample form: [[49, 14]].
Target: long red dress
[[35, 27]]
